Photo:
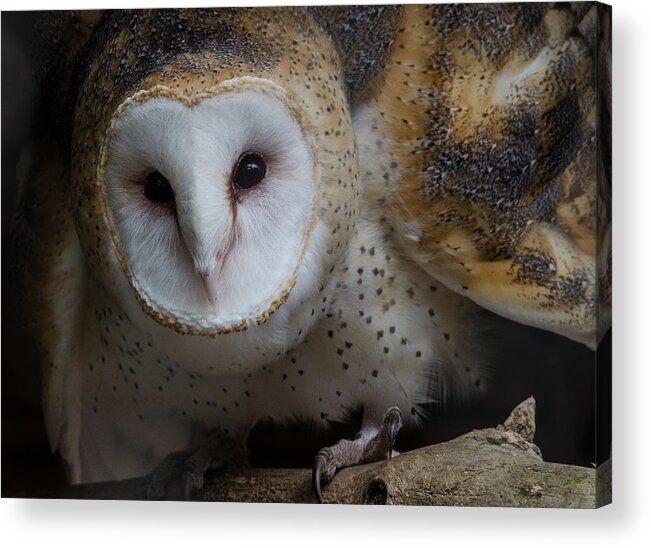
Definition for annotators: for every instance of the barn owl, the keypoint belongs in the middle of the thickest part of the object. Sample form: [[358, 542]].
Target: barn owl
[[246, 214]]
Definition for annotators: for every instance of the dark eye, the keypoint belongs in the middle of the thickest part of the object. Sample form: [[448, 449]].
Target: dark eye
[[158, 188], [250, 171]]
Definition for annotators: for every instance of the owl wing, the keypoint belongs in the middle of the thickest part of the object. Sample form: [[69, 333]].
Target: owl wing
[[52, 283], [484, 151], [49, 268]]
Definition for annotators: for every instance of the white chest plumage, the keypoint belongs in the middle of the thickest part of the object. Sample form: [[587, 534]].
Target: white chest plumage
[[384, 336]]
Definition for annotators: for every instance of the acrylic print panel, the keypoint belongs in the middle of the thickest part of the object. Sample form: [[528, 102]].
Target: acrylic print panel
[[346, 254]]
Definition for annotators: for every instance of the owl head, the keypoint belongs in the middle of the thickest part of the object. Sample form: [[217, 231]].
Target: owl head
[[214, 163]]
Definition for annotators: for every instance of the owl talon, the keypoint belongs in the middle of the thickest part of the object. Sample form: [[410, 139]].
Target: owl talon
[[374, 442], [161, 479], [182, 473], [393, 424], [324, 468], [179, 475], [188, 484], [319, 463]]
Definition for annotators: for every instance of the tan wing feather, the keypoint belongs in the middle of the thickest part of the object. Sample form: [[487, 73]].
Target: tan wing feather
[[479, 144]]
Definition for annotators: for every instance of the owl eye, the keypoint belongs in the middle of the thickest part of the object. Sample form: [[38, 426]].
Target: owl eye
[[250, 171], [158, 188]]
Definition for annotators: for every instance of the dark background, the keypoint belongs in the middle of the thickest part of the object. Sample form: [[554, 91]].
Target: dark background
[[562, 376]]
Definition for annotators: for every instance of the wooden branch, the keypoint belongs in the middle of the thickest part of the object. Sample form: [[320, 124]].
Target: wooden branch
[[493, 467]]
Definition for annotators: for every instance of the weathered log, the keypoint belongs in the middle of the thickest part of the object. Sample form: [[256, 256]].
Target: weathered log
[[492, 467]]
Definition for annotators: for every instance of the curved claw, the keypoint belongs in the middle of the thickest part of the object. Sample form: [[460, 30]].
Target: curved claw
[[317, 470], [393, 422], [187, 486]]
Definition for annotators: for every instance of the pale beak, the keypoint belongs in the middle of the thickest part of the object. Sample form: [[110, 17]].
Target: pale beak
[[210, 286]]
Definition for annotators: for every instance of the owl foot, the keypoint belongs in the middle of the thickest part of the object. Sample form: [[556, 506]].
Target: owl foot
[[182, 473], [179, 475], [374, 442]]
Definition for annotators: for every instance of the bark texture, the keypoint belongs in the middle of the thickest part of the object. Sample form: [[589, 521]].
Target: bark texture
[[498, 466]]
